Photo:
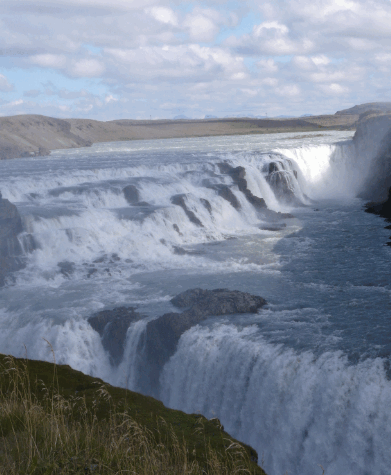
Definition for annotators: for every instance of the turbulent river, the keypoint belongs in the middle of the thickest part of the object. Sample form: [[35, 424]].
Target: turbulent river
[[305, 381]]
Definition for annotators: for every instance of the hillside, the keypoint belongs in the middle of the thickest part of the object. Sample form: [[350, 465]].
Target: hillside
[[35, 135], [55, 420]]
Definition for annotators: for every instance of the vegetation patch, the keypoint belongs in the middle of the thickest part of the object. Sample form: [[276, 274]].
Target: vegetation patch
[[55, 420]]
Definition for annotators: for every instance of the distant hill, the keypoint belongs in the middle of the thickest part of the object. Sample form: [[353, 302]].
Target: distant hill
[[307, 115], [181, 117], [211, 117], [368, 107], [34, 135]]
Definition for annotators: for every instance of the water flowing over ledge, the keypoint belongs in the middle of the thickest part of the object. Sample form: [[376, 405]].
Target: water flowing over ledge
[[304, 380]]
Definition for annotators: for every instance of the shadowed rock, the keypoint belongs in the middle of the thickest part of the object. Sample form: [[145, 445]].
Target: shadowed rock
[[206, 205], [179, 200], [162, 335], [10, 249], [280, 182], [238, 177], [226, 193], [131, 194], [112, 326], [382, 209]]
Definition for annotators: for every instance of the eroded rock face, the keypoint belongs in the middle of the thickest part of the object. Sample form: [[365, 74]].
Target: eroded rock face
[[10, 249], [382, 209], [180, 200], [112, 326], [162, 335], [280, 181], [131, 194], [218, 301], [238, 177]]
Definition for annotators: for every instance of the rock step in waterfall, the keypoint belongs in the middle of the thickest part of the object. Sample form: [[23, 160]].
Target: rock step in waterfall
[[162, 335], [10, 248]]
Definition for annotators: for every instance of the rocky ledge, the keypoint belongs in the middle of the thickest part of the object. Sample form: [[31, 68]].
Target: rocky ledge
[[162, 335], [10, 249]]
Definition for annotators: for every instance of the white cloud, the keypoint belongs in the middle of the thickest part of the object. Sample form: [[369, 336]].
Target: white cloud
[[49, 60], [5, 85], [109, 98], [164, 15], [274, 27], [87, 68], [145, 50], [334, 89], [200, 27]]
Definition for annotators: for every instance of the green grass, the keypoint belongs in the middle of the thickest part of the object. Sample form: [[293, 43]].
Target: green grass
[[55, 420]]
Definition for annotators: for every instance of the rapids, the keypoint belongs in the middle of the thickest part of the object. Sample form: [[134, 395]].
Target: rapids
[[306, 380]]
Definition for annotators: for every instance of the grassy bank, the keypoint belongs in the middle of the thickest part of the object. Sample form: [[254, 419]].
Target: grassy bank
[[55, 420]]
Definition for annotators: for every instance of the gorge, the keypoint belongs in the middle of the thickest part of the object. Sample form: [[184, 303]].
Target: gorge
[[136, 259]]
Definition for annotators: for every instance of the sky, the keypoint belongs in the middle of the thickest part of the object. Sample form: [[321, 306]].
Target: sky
[[142, 59]]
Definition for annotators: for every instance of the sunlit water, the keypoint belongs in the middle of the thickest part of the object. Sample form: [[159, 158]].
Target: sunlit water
[[305, 380]]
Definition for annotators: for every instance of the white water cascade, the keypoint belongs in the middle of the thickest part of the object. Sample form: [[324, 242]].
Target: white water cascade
[[304, 380]]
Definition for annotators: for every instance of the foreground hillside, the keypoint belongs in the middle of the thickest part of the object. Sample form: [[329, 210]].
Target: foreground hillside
[[33, 135], [55, 420]]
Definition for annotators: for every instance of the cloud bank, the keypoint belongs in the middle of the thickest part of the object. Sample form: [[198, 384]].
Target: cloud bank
[[157, 58]]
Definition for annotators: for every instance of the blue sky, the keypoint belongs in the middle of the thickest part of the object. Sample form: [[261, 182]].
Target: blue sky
[[109, 59]]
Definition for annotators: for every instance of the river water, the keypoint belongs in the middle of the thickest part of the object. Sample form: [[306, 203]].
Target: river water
[[306, 380]]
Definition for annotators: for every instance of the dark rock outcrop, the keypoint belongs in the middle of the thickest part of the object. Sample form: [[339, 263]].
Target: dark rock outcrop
[[131, 194], [218, 301], [162, 335], [179, 200], [112, 326], [10, 249], [238, 177], [382, 209], [226, 193], [206, 205], [280, 182]]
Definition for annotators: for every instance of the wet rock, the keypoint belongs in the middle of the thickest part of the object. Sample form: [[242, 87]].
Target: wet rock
[[91, 272], [206, 205], [238, 177], [226, 193], [382, 209], [112, 326], [66, 268], [131, 194], [280, 181], [10, 249], [179, 200], [162, 335], [277, 227], [176, 228], [189, 252], [218, 301], [29, 244]]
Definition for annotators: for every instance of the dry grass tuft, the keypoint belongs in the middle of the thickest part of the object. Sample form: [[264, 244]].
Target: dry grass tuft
[[44, 433]]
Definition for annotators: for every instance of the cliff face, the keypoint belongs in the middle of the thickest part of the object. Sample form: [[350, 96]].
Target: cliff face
[[10, 250], [372, 142]]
